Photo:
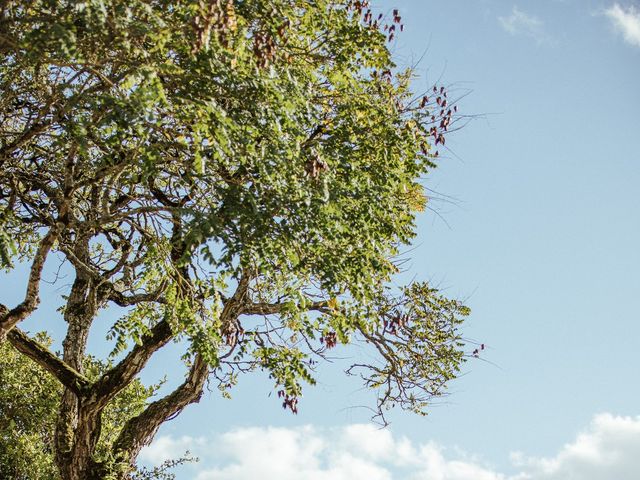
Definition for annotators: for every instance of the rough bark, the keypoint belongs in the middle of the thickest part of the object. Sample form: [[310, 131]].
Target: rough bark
[[117, 378], [140, 430], [67, 375], [78, 428]]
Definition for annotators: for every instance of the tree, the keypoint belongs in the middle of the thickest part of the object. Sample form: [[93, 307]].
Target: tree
[[236, 175]]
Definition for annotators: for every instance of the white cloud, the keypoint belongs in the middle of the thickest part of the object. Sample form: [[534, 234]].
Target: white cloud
[[347, 453], [607, 449], [626, 21], [166, 448], [522, 23]]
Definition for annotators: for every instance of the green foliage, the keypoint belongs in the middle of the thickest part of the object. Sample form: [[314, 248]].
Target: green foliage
[[28, 407], [419, 334]]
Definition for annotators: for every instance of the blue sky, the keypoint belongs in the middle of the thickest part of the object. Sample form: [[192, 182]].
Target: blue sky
[[535, 222]]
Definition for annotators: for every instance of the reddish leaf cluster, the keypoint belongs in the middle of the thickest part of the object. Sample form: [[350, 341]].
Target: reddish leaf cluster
[[362, 8], [315, 166], [216, 16], [288, 401], [264, 44], [440, 108], [476, 352], [358, 6], [330, 340], [441, 119], [394, 322], [392, 28], [264, 48], [443, 111]]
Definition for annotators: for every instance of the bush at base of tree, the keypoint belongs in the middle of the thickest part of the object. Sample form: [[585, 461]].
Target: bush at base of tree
[[29, 402]]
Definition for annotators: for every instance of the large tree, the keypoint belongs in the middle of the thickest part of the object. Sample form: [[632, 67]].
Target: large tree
[[237, 175]]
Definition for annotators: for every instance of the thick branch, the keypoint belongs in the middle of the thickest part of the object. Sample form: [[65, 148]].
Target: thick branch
[[28, 134], [68, 376], [276, 308], [32, 297], [234, 305], [123, 300], [140, 430], [114, 380]]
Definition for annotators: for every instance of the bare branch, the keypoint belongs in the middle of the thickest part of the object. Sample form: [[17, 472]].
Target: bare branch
[[123, 300], [275, 308], [32, 297]]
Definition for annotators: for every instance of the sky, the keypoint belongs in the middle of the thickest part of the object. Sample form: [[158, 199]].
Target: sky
[[534, 221]]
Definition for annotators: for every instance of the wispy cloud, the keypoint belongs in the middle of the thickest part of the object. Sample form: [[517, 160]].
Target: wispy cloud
[[626, 21], [522, 23], [607, 449]]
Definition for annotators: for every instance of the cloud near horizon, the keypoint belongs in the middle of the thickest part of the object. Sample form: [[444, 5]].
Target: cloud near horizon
[[607, 449], [522, 23], [626, 21]]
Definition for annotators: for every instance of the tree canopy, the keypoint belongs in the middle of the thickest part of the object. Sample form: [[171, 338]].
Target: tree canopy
[[235, 175]]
